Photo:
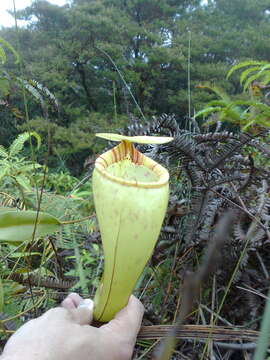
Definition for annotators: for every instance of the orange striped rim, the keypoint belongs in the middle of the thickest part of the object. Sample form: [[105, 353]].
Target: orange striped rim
[[120, 152]]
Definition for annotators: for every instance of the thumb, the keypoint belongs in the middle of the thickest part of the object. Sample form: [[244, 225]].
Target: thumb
[[83, 315], [127, 322]]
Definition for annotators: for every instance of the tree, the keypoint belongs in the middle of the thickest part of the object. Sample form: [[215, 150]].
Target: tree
[[106, 59]]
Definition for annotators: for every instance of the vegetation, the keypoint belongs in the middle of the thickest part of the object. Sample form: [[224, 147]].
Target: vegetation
[[120, 66]]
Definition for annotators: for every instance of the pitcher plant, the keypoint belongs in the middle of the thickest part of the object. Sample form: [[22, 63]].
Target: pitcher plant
[[131, 196]]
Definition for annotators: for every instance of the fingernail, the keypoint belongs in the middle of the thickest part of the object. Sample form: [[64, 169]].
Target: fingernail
[[88, 303]]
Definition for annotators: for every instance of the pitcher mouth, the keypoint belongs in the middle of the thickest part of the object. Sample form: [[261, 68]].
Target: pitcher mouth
[[126, 151]]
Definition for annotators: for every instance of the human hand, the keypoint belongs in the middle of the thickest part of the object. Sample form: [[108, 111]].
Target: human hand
[[64, 333]]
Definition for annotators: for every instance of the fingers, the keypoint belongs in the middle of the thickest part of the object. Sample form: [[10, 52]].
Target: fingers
[[72, 301], [127, 322], [83, 315], [81, 310]]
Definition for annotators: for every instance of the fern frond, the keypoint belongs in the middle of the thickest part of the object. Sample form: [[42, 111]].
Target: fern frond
[[11, 49], [3, 170], [198, 204], [244, 64], [23, 182], [225, 179], [9, 201], [9, 325], [216, 89], [3, 152], [207, 111], [19, 142], [266, 78], [216, 136], [43, 89], [209, 216], [216, 103], [164, 125], [29, 167], [231, 113], [47, 282], [266, 67], [246, 73], [251, 79], [3, 56], [258, 237], [184, 145], [34, 92], [193, 174], [229, 149], [238, 232]]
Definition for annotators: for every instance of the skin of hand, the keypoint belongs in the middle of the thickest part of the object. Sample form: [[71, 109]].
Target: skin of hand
[[64, 333]]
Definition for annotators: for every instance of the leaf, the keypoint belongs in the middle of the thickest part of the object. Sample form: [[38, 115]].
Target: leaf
[[266, 78], [3, 171], [245, 73], [3, 152], [251, 79], [266, 67], [208, 110], [33, 91], [5, 208], [10, 48], [136, 139], [216, 89], [244, 64], [230, 114], [251, 122], [45, 91], [19, 225], [30, 167], [18, 143], [3, 56], [24, 182], [1, 295], [4, 86], [217, 103]]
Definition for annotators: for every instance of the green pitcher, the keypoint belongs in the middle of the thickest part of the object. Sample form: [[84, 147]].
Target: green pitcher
[[131, 196]]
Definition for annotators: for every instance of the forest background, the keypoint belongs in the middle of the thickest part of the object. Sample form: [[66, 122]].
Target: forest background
[[116, 66], [71, 50]]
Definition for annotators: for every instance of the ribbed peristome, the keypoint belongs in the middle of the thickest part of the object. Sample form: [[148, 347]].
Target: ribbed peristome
[[126, 150]]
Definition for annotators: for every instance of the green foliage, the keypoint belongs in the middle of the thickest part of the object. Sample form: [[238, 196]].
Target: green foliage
[[20, 226], [18, 143], [249, 112], [5, 44], [15, 169], [94, 55], [64, 49]]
